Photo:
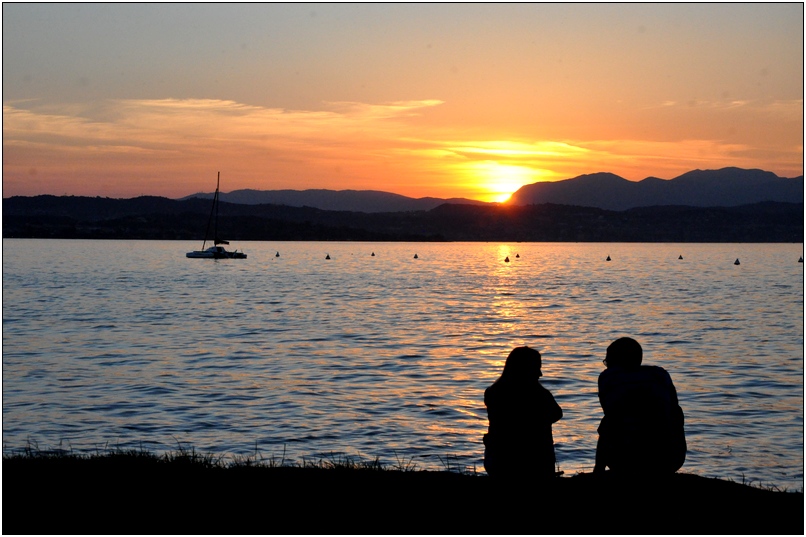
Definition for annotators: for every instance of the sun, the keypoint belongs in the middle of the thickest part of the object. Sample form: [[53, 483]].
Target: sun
[[499, 181]]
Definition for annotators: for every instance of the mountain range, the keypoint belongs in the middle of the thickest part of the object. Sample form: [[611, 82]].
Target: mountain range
[[364, 201], [727, 187]]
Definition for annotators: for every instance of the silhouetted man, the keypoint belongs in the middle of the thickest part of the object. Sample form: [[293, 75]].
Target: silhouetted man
[[642, 428]]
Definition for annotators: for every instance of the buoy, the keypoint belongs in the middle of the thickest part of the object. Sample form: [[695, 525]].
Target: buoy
[[415, 256], [681, 257], [373, 254], [736, 262], [800, 260], [277, 254], [327, 256], [506, 259], [608, 258], [517, 255]]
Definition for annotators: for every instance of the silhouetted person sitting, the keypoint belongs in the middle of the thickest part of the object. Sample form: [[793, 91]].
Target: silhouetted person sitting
[[519, 442], [642, 428]]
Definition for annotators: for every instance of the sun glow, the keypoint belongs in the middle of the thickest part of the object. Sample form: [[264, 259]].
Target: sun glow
[[501, 180]]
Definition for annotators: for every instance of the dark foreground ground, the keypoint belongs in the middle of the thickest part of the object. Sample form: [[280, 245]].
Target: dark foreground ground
[[145, 495]]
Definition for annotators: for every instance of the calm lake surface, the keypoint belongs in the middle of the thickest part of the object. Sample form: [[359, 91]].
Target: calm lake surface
[[129, 344]]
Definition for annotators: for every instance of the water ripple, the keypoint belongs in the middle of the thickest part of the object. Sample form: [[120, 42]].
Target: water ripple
[[389, 357]]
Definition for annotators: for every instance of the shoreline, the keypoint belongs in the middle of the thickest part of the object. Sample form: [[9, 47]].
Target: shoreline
[[140, 493]]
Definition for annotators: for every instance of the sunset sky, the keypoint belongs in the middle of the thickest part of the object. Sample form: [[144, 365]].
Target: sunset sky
[[444, 100]]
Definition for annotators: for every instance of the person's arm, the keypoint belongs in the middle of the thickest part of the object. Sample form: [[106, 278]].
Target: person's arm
[[677, 410], [601, 446], [599, 465], [553, 411]]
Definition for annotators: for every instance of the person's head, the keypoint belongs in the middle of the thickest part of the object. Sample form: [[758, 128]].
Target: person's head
[[523, 363], [624, 352]]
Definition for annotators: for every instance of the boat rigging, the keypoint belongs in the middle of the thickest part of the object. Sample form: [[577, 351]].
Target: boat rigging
[[215, 251]]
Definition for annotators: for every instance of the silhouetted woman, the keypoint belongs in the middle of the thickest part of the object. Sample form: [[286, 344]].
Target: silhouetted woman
[[519, 442]]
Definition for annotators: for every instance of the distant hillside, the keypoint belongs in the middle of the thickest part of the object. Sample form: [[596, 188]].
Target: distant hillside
[[365, 201], [70, 217], [728, 187]]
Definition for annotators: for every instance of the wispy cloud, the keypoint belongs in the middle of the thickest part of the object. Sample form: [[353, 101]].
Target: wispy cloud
[[181, 122], [185, 132], [554, 160], [788, 108]]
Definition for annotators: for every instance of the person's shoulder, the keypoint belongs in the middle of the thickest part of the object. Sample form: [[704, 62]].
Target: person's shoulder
[[655, 370], [606, 374], [491, 392], [539, 387], [658, 375]]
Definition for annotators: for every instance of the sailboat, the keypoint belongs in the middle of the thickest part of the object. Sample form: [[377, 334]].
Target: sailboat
[[215, 251]]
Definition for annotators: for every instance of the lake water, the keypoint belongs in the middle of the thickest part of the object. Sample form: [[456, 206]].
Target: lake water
[[129, 344]]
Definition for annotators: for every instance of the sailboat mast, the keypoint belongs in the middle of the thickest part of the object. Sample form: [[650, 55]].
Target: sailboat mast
[[215, 232], [214, 208]]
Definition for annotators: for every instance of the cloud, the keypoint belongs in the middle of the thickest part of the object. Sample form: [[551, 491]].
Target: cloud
[[667, 159], [383, 111], [183, 122], [791, 109], [504, 151], [163, 146], [555, 160], [181, 134]]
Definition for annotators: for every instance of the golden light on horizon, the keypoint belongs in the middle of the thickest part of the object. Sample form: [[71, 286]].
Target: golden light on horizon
[[499, 181], [494, 169]]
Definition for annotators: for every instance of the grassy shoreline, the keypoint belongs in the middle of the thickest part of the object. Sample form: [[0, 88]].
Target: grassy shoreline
[[185, 492]]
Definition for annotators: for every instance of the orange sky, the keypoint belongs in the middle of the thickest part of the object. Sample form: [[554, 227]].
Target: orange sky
[[448, 100]]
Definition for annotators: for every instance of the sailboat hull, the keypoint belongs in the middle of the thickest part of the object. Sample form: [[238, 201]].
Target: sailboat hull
[[215, 252]]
